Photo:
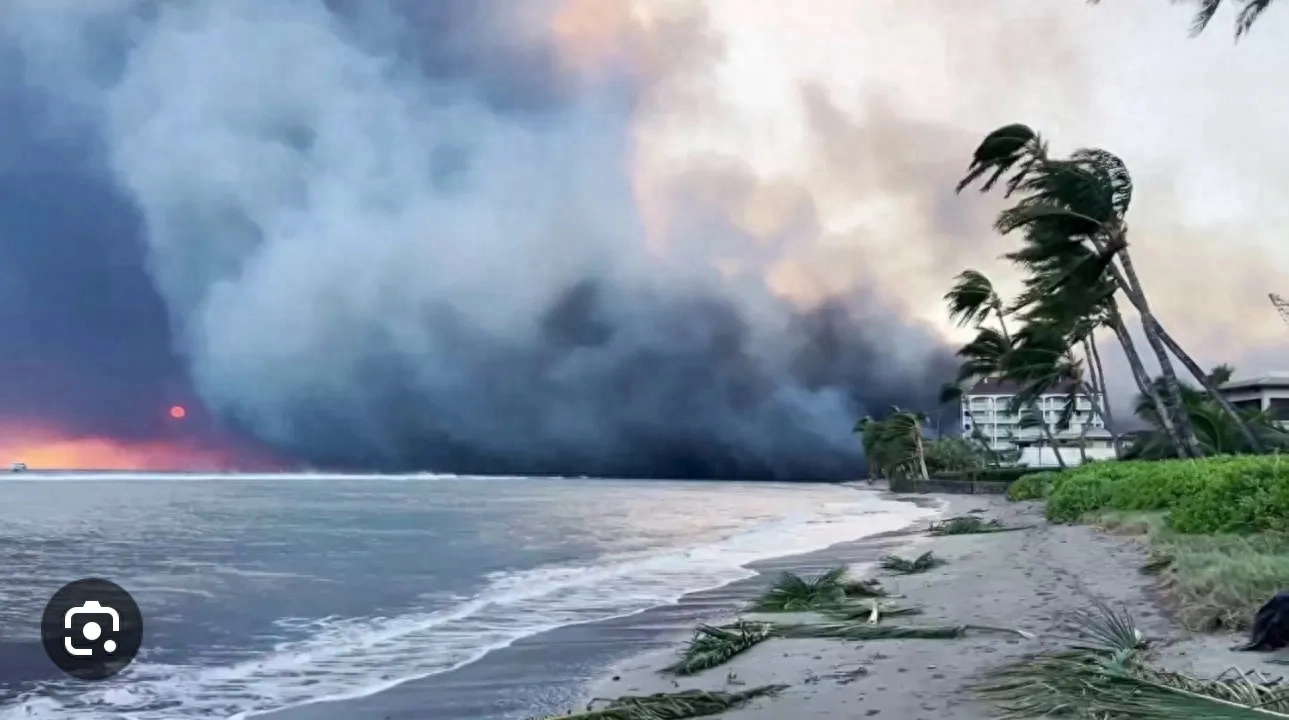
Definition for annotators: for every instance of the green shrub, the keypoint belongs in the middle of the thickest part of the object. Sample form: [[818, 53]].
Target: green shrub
[[1228, 494], [1033, 486]]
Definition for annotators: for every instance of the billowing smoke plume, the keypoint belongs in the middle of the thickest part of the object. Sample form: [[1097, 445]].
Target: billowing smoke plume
[[405, 234]]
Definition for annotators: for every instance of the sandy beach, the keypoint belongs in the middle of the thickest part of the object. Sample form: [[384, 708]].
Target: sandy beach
[[1029, 579]]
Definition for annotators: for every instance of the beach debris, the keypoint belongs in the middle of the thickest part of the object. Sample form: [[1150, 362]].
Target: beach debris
[[793, 593], [669, 706], [1270, 626], [873, 610], [716, 645], [1105, 673], [922, 563], [712, 646], [971, 525]]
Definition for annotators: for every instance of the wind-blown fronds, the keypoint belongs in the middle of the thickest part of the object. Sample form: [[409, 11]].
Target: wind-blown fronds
[[920, 564], [712, 646], [971, 299], [970, 525], [1104, 675], [670, 706], [1249, 14]]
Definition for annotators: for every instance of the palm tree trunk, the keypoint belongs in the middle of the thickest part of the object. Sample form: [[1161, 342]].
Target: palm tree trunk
[[1047, 431], [1144, 385], [1193, 368], [917, 438], [1105, 412], [1127, 279]]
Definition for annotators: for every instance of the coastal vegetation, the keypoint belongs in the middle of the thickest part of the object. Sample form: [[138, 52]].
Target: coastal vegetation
[[1217, 529]]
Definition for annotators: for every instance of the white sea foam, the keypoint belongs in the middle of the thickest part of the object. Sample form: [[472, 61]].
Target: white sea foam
[[339, 658]]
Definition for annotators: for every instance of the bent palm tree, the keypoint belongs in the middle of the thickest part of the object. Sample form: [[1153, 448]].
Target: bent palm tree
[[973, 301], [1074, 208]]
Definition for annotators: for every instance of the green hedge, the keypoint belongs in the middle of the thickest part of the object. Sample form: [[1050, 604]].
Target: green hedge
[[1246, 493], [1033, 486]]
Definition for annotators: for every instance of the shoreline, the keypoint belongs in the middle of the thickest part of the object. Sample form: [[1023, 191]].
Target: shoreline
[[1026, 579], [483, 688]]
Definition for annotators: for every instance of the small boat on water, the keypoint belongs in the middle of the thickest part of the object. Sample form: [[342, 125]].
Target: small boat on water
[[19, 467]]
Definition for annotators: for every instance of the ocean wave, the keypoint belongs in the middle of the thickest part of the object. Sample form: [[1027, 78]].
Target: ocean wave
[[340, 658]]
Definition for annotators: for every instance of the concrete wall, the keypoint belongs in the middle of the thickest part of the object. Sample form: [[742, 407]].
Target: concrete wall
[[1045, 457]]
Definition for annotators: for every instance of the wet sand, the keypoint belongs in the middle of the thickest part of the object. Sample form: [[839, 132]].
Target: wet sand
[[1029, 580]]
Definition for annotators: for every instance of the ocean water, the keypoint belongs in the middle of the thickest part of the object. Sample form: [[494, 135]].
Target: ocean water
[[263, 593]]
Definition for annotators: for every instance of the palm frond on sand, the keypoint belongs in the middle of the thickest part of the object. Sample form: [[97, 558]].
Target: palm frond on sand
[[793, 593], [712, 646], [669, 706], [970, 525], [1104, 675], [871, 611], [922, 563]]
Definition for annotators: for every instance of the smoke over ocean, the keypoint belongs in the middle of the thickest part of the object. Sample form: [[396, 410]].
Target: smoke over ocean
[[399, 235]]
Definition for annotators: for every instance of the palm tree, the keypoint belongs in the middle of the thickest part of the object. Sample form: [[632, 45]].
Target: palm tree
[[1249, 14], [973, 300], [1075, 208], [894, 446], [1217, 433]]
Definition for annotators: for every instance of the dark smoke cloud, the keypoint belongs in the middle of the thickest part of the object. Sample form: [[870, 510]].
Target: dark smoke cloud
[[396, 235]]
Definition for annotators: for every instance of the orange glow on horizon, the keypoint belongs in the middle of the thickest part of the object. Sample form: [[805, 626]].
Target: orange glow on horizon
[[47, 449]]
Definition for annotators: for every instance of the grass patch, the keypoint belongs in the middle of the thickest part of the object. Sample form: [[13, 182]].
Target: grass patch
[[970, 525], [669, 706], [922, 563], [1105, 672], [793, 593], [1215, 582]]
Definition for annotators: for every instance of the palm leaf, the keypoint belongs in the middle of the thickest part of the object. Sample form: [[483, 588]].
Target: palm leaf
[[712, 646], [1103, 674], [669, 706], [922, 563]]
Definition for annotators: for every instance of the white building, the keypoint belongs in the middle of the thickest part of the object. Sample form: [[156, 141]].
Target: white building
[[1268, 392], [985, 408]]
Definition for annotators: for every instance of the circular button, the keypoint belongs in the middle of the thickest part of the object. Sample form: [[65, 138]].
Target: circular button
[[91, 629]]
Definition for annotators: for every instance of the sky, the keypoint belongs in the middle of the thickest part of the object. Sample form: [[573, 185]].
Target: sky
[[654, 237]]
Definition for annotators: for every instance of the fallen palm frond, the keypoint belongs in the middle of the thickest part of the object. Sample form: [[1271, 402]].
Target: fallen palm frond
[[669, 706], [871, 611], [920, 564], [970, 525], [870, 631], [792, 593], [863, 589], [1104, 675], [712, 646]]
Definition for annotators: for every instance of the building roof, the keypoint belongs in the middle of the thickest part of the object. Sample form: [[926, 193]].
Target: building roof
[[998, 386], [1278, 379]]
